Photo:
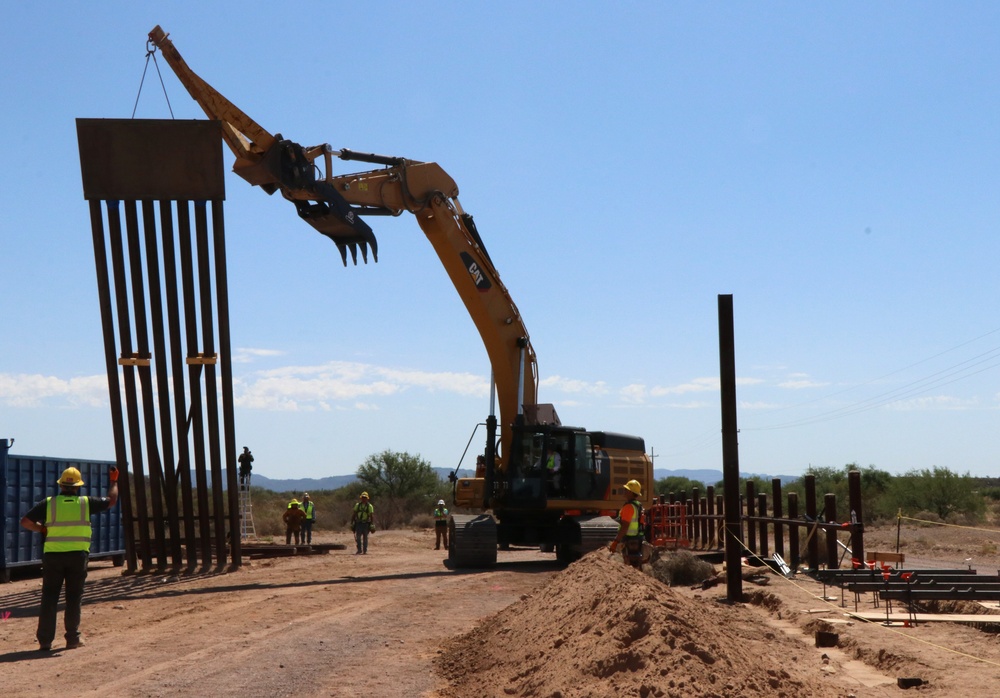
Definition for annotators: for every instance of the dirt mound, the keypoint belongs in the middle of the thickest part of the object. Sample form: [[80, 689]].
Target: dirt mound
[[600, 628]]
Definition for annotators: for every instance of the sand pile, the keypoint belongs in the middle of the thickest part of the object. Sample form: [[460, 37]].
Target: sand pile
[[601, 629]]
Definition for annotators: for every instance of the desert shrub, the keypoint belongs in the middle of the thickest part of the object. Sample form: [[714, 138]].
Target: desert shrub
[[422, 521], [927, 516], [961, 518]]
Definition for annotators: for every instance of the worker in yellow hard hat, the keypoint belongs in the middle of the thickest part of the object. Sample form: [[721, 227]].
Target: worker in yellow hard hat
[[64, 522], [630, 529], [362, 523], [293, 517]]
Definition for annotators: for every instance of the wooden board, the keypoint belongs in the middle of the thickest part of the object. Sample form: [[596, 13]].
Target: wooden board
[[927, 617]]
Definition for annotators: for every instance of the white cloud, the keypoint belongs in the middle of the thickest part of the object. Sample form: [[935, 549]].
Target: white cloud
[[246, 355], [575, 386], [933, 402], [800, 383], [697, 385], [309, 388], [35, 390], [759, 405]]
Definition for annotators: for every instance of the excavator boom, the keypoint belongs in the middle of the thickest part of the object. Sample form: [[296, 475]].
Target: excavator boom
[[335, 204]]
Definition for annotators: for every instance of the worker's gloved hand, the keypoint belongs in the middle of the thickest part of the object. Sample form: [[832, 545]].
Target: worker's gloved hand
[[45, 530], [614, 546], [113, 474]]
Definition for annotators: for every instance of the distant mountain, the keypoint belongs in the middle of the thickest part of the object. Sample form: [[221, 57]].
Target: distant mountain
[[302, 484], [712, 477], [334, 482], [706, 477]]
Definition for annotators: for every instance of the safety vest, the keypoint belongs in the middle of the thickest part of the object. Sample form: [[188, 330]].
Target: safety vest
[[633, 525], [67, 517], [309, 511], [441, 514], [363, 511]]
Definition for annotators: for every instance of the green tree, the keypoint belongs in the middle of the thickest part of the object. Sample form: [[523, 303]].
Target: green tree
[[676, 484], [939, 491], [399, 485]]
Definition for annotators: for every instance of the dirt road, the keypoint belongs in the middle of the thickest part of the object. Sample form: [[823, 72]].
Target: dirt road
[[397, 622], [333, 625]]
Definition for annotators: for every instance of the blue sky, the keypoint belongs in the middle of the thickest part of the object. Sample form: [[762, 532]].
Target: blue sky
[[834, 167]]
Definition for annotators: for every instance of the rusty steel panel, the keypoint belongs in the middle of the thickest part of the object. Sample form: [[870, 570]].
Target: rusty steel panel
[[151, 159]]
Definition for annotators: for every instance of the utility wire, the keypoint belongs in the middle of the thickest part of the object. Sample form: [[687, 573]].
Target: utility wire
[[982, 362]]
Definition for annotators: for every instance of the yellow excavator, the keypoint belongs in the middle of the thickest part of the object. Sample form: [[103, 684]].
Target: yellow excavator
[[544, 484]]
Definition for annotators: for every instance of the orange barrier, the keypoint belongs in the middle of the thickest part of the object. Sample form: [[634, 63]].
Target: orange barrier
[[668, 526]]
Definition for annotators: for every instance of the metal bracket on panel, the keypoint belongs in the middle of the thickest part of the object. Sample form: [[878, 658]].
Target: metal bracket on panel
[[134, 359], [201, 359]]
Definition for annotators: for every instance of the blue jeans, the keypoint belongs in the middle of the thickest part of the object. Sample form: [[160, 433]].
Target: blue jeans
[[361, 529], [57, 569], [307, 532]]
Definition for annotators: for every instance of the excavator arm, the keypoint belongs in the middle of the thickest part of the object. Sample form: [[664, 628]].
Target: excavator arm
[[276, 164], [335, 204]]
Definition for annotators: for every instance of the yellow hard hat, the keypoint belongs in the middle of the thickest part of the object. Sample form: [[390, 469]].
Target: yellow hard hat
[[364, 495], [70, 478], [294, 501], [634, 487]]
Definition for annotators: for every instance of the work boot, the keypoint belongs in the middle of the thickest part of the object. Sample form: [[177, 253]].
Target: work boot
[[73, 644]]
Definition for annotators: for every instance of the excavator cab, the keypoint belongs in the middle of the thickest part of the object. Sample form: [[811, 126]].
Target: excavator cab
[[555, 466]]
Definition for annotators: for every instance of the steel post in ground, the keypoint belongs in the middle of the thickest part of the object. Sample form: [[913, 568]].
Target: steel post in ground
[[730, 450]]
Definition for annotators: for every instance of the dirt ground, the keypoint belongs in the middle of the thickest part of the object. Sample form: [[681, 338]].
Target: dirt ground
[[398, 622]]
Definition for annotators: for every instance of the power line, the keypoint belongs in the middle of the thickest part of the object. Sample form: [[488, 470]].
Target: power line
[[982, 362]]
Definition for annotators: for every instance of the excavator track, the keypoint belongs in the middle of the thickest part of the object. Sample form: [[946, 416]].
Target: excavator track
[[581, 534], [472, 541]]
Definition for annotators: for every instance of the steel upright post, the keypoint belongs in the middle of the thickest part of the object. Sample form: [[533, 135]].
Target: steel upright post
[[730, 450]]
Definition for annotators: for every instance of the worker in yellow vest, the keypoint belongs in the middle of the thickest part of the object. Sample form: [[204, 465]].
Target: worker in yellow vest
[[307, 523], [630, 528], [362, 523], [64, 522], [440, 525]]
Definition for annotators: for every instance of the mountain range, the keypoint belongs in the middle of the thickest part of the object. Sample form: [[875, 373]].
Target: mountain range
[[335, 482]]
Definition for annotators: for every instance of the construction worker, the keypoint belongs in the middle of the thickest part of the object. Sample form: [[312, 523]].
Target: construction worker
[[553, 466], [440, 525], [362, 523], [630, 526], [64, 522], [293, 518], [246, 465], [307, 523]]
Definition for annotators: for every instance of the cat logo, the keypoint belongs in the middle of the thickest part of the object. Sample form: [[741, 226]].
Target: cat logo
[[350, 217], [478, 278]]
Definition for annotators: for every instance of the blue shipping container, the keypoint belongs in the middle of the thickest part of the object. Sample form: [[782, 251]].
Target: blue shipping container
[[27, 480]]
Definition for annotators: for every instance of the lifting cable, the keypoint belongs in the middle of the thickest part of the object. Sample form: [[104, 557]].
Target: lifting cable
[[151, 51]]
